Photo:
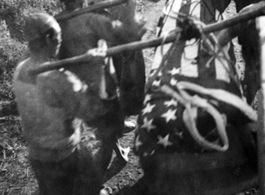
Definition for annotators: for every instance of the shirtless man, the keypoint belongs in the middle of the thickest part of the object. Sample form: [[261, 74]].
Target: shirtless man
[[50, 105]]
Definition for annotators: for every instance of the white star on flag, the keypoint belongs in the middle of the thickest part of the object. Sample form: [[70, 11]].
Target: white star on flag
[[174, 71], [172, 102], [179, 134], [156, 83], [170, 115], [149, 154], [147, 98], [164, 141], [137, 143], [148, 108], [173, 82], [148, 124], [145, 154]]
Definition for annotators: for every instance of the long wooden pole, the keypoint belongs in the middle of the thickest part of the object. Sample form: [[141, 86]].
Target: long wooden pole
[[261, 107], [138, 45], [91, 8], [62, 63]]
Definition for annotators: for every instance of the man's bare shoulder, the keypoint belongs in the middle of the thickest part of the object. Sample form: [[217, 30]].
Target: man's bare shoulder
[[22, 64], [21, 67]]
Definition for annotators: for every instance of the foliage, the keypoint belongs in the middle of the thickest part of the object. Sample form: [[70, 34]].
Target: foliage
[[15, 11], [11, 51], [12, 45], [15, 174]]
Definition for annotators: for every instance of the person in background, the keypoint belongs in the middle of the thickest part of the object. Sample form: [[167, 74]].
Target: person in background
[[81, 33]]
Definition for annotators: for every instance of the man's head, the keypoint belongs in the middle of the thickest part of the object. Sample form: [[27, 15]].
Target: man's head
[[42, 32]]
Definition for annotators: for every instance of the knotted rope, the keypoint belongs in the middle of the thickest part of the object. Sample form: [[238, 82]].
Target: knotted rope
[[192, 103]]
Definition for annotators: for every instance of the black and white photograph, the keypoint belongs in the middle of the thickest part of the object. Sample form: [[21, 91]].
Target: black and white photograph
[[152, 97]]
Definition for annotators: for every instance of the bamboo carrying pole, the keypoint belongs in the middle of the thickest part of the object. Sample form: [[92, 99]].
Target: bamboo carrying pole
[[261, 107], [62, 63], [138, 45], [95, 7]]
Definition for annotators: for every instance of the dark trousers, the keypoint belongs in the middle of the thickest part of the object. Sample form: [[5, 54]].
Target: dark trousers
[[75, 175]]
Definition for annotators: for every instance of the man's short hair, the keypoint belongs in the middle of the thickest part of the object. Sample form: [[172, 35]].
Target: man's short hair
[[37, 27], [39, 24]]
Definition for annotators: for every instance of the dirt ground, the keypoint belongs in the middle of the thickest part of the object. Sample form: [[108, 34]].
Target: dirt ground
[[16, 176]]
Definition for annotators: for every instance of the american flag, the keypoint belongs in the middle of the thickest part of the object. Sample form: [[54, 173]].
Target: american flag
[[160, 123]]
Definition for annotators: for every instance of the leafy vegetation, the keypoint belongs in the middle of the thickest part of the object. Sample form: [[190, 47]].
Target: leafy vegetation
[[12, 44]]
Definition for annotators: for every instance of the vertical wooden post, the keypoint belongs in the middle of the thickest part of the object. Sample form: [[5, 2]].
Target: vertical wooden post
[[261, 106]]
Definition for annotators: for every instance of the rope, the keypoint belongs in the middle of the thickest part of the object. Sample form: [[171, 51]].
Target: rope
[[192, 103], [222, 95]]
